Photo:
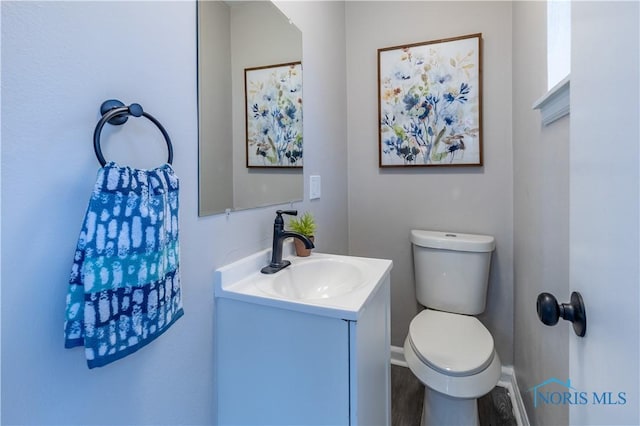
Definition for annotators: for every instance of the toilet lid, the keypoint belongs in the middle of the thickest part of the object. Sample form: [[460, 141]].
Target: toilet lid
[[453, 344]]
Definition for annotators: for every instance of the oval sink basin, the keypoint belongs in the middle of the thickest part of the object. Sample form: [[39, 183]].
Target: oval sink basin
[[314, 279]]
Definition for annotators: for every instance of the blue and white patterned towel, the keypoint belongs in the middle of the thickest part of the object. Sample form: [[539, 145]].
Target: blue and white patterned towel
[[124, 289]]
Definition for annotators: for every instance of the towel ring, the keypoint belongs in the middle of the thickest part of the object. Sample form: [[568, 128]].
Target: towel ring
[[116, 113]]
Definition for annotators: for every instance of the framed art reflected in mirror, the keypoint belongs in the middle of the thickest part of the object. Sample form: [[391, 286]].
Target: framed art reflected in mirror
[[273, 111]]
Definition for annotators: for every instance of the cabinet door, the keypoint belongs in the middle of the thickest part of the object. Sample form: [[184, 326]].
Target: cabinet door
[[277, 367]]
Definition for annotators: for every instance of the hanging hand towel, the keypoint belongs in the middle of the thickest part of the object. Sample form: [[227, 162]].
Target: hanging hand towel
[[124, 289]]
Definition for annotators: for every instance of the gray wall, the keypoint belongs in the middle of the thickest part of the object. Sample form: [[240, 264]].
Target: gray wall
[[384, 205], [60, 60], [541, 216]]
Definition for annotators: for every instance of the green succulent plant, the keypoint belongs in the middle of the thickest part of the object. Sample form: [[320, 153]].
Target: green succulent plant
[[305, 224]]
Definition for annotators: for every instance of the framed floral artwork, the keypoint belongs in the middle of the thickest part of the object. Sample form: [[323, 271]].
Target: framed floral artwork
[[273, 106], [430, 103]]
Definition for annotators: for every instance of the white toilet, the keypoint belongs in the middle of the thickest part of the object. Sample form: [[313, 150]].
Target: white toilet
[[447, 348]]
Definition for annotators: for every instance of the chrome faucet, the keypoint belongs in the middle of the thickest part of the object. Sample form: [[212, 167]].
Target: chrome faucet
[[279, 235]]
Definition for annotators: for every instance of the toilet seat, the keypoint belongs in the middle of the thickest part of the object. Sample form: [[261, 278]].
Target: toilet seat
[[452, 344]]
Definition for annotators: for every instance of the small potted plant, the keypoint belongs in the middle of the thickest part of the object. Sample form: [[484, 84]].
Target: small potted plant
[[305, 225]]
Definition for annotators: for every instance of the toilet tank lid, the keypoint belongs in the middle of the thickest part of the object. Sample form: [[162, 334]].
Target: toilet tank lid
[[453, 241]]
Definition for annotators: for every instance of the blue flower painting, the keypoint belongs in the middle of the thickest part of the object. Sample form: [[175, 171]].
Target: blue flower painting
[[430, 103], [274, 115]]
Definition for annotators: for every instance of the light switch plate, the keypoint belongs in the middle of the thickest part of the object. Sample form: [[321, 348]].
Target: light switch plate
[[315, 187]]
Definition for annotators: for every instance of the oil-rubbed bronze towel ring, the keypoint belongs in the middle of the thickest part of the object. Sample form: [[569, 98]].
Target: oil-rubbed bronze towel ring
[[116, 113]]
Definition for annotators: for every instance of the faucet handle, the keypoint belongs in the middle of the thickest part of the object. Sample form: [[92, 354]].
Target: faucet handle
[[289, 212], [279, 221]]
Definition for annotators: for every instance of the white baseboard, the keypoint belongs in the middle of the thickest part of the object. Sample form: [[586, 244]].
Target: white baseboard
[[507, 381], [397, 356]]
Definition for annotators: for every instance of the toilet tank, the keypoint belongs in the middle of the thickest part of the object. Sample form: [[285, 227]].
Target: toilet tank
[[452, 270]]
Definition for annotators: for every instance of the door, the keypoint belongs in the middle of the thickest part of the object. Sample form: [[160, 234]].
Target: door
[[604, 219]]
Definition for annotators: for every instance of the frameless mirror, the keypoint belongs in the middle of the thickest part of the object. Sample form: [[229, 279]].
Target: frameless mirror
[[234, 36]]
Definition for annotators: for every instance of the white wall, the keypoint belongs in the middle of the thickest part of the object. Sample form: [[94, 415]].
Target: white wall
[[541, 216], [384, 205], [60, 60]]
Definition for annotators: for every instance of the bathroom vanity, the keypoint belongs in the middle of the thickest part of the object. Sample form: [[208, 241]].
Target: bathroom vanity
[[307, 345]]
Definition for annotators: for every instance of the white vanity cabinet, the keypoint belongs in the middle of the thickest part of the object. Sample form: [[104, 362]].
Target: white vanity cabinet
[[292, 364]]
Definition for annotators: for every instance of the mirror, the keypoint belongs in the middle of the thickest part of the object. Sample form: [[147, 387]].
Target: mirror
[[234, 36]]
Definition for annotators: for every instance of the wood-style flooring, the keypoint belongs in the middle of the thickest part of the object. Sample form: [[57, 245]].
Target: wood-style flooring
[[407, 394]]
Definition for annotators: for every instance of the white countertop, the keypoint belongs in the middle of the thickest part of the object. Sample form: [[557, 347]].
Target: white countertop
[[238, 281]]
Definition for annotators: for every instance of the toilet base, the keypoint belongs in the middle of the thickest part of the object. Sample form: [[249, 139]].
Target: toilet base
[[441, 409]]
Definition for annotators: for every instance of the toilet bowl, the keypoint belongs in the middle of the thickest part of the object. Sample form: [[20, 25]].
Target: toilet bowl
[[454, 357], [448, 349]]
